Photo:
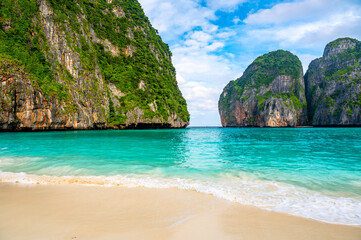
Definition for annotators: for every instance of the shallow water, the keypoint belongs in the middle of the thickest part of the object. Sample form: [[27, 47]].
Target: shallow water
[[309, 172]]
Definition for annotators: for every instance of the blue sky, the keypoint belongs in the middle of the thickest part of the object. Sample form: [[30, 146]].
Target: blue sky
[[213, 41]]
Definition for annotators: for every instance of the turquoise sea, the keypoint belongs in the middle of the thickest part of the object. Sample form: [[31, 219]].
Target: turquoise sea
[[308, 172]]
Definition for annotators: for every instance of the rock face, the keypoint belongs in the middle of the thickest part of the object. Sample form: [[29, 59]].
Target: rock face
[[333, 85], [87, 64], [271, 93], [24, 106]]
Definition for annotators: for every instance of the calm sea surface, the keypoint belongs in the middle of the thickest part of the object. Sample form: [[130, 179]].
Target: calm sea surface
[[309, 172]]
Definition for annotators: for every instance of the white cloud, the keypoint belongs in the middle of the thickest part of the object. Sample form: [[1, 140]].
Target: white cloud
[[201, 77], [236, 20], [214, 46], [286, 12], [202, 100], [201, 36], [201, 73], [175, 17], [231, 55], [306, 59], [306, 33], [308, 23], [207, 56], [227, 5]]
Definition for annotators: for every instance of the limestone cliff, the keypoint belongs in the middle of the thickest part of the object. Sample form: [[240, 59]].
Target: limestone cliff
[[333, 85], [84, 64], [270, 93]]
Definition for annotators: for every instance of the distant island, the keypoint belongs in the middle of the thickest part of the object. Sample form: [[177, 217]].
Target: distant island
[[273, 92], [89, 65]]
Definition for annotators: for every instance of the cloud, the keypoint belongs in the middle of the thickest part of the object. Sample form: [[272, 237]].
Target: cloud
[[302, 27], [308, 23], [344, 24], [292, 11], [236, 20], [202, 75], [228, 5], [174, 17], [197, 46], [213, 41], [197, 92], [305, 59]]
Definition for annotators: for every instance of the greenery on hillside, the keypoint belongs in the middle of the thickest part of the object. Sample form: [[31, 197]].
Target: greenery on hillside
[[26, 44], [262, 72], [265, 68], [342, 68], [350, 55], [338, 41], [150, 62]]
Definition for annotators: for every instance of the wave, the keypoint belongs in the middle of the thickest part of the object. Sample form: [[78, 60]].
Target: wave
[[16, 161], [269, 195]]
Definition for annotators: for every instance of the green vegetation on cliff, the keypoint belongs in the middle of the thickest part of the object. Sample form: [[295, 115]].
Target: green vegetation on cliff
[[333, 84], [351, 55], [265, 68], [22, 41], [329, 94], [262, 72], [115, 36], [270, 93]]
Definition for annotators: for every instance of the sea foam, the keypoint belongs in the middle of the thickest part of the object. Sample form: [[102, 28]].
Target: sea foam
[[269, 195]]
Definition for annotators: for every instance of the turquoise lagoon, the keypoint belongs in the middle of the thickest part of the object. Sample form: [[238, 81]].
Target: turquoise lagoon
[[308, 172]]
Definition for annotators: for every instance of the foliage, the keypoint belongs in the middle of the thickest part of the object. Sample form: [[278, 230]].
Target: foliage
[[350, 57], [124, 71], [262, 72], [266, 67], [341, 67], [150, 62], [26, 43], [338, 41], [287, 98]]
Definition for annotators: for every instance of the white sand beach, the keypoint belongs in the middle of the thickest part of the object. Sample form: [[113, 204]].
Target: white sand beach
[[94, 212]]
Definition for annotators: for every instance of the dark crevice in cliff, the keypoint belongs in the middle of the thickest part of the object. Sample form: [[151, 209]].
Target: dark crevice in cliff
[[15, 103], [309, 107]]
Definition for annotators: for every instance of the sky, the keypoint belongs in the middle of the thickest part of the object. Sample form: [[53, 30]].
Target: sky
[[213, 41]]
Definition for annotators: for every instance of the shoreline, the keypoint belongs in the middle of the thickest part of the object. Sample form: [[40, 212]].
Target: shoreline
[[133, 126], [317, 207], [145, 127], [95, 212]]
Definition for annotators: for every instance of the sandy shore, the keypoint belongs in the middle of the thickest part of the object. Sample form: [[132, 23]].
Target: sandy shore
[[90, 212]]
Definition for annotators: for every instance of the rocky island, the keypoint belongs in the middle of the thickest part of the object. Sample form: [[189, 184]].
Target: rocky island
[[85, 65], [270, 93], [273, 93], [333, 85]]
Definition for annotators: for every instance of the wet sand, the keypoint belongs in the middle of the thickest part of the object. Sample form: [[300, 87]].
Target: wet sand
[[93, 212]]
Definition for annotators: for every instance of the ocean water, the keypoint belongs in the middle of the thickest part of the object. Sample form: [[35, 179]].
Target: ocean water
[[309, 172]]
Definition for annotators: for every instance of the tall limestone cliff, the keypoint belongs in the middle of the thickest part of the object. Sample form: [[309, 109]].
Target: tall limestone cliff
[[333, 85], [270, 93], [84, 64]]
